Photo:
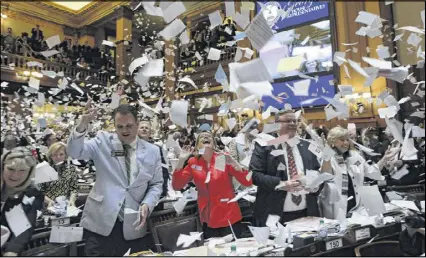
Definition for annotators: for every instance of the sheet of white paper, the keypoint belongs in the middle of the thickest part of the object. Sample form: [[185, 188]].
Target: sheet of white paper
[[358, 68], [179, 112], [17, 220], [301, 88], [184, 39], [173, 11], [185, 240], [108, 43], [154, 68], [72, 211], [53, 41], [330, 113], [259, 32], [372, 200], [272, 221], [241, 20], [346, 89], [188, 80], [34, 83], [339, 58], [179, 205], [215, 19], [137, 63], [44, 173], [248, 53], [405, 204], [115, 101], [387, 112], [378, 63], [238, 196], [49, 53], [400, 172], [261, 234], [152, 10], [258, 89], [220, 163], [28, 201], [214, 54], [231, 122], [66, 234], [73, 85], [172, 30]]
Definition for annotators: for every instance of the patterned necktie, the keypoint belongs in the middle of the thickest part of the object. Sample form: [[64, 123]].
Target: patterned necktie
[[297, 199], [126, 148]]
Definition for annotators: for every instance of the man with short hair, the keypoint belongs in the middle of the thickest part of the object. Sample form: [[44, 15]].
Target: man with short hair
[[128, 183], [144, 133], [270, 170]]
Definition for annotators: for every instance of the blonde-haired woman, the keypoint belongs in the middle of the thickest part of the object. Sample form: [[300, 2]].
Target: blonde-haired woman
[[214, 185], [66, 185], [349, 169], [18, 192]]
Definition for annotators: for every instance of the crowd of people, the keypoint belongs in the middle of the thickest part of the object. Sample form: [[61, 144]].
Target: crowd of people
[[72, 54], [135, 171]]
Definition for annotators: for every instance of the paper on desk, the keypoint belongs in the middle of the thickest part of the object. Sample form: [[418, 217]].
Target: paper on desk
[[72, 211], [400, 172], [53, 41], [372, 200], [272, 222], [66, 234], [44, 173], [214, 54], [173, 10], [172, 30], [281, 239], [34, 83], [261, 234], [137, 63], [185, 240], [17, 220], [179, 112], [405, 204], [259, 32]]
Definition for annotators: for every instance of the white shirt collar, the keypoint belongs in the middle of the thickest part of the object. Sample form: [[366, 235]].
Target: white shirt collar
[[134, 143]]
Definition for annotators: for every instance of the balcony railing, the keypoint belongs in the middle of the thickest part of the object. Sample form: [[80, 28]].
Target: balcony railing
[[21, 62], [227, 56]]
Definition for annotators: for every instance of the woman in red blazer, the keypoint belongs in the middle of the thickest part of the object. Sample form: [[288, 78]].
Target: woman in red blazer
[[214, 187]]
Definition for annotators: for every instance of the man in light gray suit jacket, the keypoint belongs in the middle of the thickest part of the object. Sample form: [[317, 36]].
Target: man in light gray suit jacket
[[128, 183]]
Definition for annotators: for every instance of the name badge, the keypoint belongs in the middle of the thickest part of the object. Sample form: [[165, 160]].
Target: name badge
[[117, 153], [196, 167]]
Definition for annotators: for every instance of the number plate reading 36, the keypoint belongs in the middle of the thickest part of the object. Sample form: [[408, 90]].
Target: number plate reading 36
[[333, 244], [61, 222]]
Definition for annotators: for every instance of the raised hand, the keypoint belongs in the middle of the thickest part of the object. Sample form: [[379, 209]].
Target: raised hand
[[89, 114]]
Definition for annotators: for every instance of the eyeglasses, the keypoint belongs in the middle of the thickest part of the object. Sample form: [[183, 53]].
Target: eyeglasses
[[285, 121]]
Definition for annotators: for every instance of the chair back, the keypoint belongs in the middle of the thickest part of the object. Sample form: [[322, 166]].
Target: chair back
[[382, 249]]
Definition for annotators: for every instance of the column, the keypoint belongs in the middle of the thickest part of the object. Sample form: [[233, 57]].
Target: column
[[123, 40]]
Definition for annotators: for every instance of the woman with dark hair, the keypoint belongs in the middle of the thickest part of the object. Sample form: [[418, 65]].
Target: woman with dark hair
[[212, 173], [20, 195]]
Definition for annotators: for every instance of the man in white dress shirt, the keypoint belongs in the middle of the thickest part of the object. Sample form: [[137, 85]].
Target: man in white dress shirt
[[271, 170], [128, 183]]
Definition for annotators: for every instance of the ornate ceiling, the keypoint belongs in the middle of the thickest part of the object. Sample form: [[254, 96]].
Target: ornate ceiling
[[57, 13]]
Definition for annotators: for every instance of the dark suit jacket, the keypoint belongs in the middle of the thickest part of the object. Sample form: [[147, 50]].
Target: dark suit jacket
[[34, 34], [266, 177]]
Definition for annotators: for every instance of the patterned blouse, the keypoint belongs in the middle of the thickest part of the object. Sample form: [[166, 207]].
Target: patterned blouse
[[64, 186]]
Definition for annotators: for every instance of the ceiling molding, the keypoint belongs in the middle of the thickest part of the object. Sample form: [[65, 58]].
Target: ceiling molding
[[60, 15]]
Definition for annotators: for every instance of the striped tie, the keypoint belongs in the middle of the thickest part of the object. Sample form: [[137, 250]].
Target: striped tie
[[126, 148]]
